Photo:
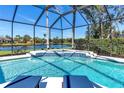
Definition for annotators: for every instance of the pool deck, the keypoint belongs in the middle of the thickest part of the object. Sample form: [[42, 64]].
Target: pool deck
[[14, 57], [121, 60]]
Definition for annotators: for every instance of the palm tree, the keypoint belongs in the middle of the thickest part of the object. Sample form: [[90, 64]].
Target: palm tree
[[44, 37]]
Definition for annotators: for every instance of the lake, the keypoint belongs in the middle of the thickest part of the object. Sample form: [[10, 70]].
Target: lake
[[41, 46]]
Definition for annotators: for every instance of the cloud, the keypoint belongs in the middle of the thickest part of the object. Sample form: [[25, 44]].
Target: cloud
[[26, 18]]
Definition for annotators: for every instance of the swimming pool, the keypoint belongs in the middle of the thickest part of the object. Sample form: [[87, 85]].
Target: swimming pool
[[104, 72]]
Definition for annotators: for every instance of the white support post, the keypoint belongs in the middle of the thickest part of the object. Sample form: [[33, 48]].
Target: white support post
[[61, 34], [47, 30], [73, 35], [73, 31]]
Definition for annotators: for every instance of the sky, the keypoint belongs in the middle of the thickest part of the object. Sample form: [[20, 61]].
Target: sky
[[29, 14]]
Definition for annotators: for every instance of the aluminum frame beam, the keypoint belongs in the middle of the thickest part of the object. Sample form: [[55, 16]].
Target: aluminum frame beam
[[73, 30], [61, 33], [34, 32], [35, 26], [76, 27], [12, 40], [27, 24], [54, 27], [39, 17], [47, 30], [55, 22], [83, 18], [74, 10], [67, 21], [44, 9]]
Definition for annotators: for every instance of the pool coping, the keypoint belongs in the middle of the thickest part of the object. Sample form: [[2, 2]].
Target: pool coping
[[6, 58], [87, 53], [113, 59]]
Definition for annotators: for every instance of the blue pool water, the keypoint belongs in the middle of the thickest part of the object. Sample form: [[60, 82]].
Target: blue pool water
[[104, 72]]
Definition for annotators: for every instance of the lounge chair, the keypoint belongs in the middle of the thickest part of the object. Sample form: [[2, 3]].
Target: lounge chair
[[25, 82], [76, 82]]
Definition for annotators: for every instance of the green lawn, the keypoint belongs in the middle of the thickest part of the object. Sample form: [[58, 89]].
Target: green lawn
[[10, 52], [5, 52], [17, 44]]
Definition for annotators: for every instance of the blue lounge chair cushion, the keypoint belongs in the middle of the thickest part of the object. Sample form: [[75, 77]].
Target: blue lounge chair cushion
[[77, 82], [25, 82]]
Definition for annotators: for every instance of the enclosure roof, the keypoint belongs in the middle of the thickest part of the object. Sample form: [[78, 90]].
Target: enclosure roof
[[35, 15]]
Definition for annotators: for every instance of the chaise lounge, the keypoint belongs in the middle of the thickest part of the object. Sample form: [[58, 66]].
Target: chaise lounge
[[25, 82], [71, 81]]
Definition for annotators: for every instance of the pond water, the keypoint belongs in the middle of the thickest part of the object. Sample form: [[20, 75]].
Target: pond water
[[41, 46]]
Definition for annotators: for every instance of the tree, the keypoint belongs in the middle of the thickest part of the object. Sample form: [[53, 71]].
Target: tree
[[116, 34], [56, 40], [7, 36], [95, 14], [18, 38], [26, 38], [38, 40], [44, 39], [44, 35]]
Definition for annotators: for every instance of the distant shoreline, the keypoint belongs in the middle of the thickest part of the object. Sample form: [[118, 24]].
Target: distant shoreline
[[26, 44]]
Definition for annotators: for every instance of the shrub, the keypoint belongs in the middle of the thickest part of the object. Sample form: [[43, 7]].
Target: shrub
[[102, 46]]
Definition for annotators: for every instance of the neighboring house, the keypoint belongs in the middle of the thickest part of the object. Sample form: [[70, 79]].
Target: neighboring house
[[30, 41], [5, 40], [18, 40]]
